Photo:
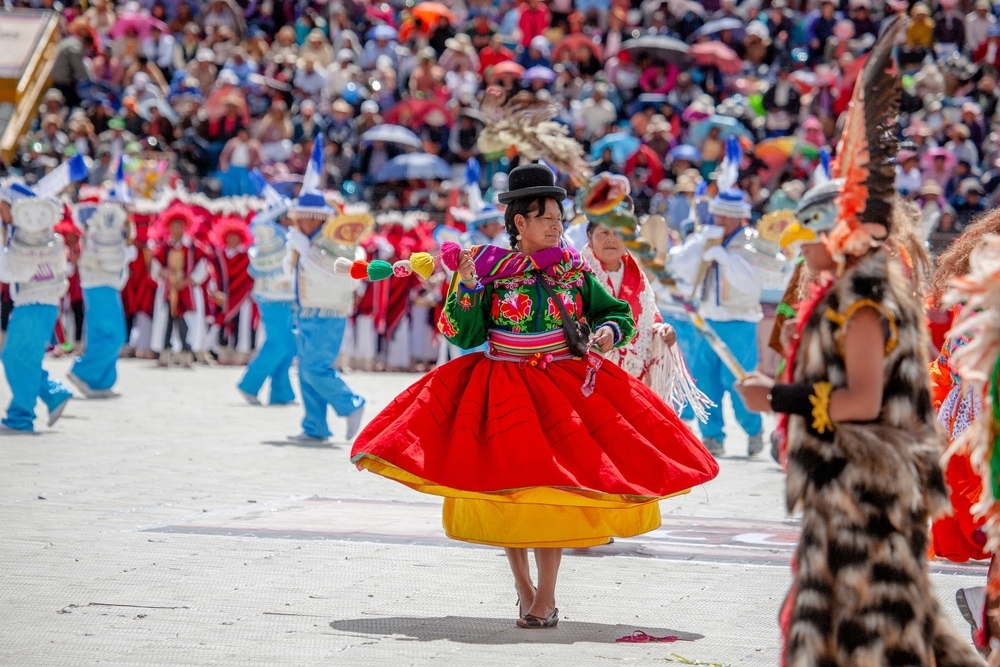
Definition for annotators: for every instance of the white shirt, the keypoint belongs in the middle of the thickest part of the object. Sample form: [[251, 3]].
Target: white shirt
[[597, 115], [617, 277], [908, 182], [162, 52], [731, 288], [240, 156], [310, 84], [976, 29]]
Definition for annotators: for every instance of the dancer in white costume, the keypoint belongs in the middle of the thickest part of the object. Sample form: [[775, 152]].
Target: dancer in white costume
[[33, 262], [105, 255]]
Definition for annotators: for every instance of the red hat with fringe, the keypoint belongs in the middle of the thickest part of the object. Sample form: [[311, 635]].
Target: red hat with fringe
[[177, 211], [230, 224]]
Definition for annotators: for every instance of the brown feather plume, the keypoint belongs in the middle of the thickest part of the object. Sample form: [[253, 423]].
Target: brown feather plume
[[523, 124], [883, 90]]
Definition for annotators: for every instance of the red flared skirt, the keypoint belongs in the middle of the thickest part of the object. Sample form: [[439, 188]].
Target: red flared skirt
[[524, 458]]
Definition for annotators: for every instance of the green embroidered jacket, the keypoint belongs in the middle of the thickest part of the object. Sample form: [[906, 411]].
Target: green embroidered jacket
[[519, 304]]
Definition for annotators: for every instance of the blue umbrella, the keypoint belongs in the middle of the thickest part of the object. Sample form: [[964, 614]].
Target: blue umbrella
[[392, 134], [654, 99], [726, 124], [622, 145], [717, 26], [539, 72], [421, 166], [382, 31], [686, 152], [99, 93], [660, 48]]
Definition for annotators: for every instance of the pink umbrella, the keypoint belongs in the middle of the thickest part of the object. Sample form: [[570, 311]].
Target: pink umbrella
[[572, 42], [382, 12], [717, 54], [142, 22], [220, 98]]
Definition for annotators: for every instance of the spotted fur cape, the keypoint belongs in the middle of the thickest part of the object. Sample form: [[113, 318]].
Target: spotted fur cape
[[861, 593]]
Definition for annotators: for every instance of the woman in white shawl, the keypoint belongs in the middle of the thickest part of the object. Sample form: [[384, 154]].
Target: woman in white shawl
[[652, 356]]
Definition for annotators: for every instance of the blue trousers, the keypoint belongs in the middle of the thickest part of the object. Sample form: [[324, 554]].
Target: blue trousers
[[275, 357], [714, 379], [318, 342], [104, 328], [27, 337]]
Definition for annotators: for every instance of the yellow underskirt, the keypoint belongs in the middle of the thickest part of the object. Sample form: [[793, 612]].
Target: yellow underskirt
[[534, 516], [544, 526]]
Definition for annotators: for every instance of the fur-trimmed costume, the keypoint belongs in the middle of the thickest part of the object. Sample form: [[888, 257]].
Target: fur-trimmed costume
[[862, 593]]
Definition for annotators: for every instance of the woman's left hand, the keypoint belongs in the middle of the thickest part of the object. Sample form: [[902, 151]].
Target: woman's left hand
[[755, 390], [667, 333], [605, 339]]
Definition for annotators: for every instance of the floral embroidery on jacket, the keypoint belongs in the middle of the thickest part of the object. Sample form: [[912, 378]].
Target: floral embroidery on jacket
[[515, 307], [446, 326]]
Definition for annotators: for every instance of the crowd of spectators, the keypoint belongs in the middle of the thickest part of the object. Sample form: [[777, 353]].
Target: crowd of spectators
[[222, 87]]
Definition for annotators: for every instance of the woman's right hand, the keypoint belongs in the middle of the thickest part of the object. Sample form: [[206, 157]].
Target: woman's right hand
[[466, 267], [789, 334]]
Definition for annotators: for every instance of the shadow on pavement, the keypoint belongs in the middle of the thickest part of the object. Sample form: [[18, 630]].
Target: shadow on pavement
[[480, 630], [310, 445]]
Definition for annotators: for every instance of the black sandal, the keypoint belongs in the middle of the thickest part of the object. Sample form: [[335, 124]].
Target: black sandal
[[531, 622], [520, 610]]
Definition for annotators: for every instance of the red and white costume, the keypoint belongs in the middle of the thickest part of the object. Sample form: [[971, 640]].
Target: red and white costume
[[647, 357], [191, 299], [236, 314]]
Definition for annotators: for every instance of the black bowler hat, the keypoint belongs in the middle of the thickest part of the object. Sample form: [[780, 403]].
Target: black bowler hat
[[531, 180]]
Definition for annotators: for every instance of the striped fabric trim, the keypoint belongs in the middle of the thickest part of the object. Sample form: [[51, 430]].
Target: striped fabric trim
[[507, 344], [311, 313]]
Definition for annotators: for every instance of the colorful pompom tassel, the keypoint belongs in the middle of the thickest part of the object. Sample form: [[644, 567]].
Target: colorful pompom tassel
[[342, 266], [402, 269], [379, 270], [359, 269], [449, 255], [423, 264]]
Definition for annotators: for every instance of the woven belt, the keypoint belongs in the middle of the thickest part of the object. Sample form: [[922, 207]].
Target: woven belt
[[539, 350]]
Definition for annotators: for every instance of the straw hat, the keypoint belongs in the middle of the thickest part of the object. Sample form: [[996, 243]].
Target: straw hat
[[686, 184], [930, 188], [462, 43]]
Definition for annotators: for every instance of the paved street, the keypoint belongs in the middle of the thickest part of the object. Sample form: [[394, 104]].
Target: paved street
[[176, 526]]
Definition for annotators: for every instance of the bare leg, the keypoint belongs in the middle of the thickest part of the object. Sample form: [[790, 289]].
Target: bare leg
[[548, 561], [521, 569], [992, 628]]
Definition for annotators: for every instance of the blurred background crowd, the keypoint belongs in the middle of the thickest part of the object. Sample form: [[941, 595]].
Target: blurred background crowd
[[201, 94]]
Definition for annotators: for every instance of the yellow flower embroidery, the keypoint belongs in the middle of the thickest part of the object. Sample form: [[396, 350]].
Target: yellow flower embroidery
[[820, 400]]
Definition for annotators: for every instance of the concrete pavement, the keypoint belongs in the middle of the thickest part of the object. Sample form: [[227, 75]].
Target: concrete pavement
[[176, 526]]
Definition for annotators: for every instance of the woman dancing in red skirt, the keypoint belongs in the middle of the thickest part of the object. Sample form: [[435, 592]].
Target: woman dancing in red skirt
[[535, 443]]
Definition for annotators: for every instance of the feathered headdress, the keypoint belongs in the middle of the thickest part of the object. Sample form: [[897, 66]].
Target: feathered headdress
[[176, 211], [524, 125], [866, 152], [223, 226], [729, 170], [821, 174]]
